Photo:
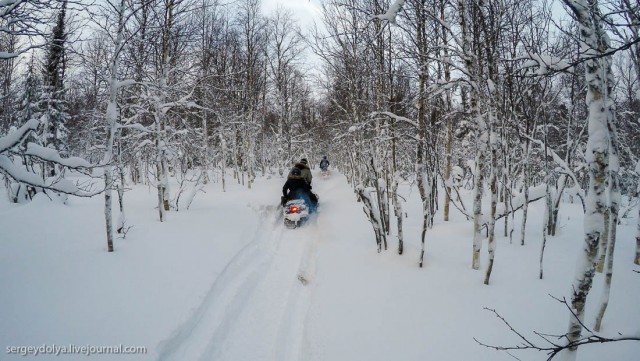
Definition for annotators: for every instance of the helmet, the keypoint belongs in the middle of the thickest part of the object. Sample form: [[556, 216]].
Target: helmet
[[325, 157], [304, 161], [296, 171]]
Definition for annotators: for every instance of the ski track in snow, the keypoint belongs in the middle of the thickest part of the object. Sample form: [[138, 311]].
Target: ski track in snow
[[257, 307]]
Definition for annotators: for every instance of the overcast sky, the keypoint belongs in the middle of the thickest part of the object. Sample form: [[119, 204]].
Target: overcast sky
[[305, 10]]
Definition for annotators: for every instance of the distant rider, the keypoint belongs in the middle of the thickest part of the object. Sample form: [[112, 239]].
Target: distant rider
[[324, 163]]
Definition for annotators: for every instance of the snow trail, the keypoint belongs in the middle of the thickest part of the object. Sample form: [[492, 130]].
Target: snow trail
[[226, 296], [257, 307]]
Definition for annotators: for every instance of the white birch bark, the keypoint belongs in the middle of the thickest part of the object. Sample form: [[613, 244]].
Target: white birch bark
[[493, 181], [372, 214], [614, 197], [162, 176], [477, 191], [594, 44], [481, 136], [112, 123]]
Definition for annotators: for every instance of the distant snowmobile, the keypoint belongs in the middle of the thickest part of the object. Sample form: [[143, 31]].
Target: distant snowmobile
[[324, 167]]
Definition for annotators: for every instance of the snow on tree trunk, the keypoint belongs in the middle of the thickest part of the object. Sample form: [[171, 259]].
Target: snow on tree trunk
[[493, 181], [482, 137], [112, 125], [604, 300], [562, 184], [372, 214], [611, 222], [594, 44], [162, 177]]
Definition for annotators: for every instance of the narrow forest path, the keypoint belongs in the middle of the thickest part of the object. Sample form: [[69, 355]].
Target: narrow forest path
[[256, 308]]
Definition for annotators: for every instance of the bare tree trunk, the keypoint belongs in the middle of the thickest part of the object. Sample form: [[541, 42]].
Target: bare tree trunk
[[207, 152], [122, 219], [562, 184], [223, 161], [397, 209], [424, 195], [421, 37], [545, 227], [525, 205], [383, 206], [637, 259], [525, 184], [449, 146], [447, 169], [492, 221], [477, 212]]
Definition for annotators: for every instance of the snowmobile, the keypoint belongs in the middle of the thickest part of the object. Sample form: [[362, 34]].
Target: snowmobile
[[296, 212], [325, 173]]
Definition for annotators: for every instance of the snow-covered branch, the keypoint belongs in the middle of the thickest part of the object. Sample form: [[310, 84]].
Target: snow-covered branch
[[535, 193], [9, 168], [11, 140], [396, 117], [52, 155], [391, 13]]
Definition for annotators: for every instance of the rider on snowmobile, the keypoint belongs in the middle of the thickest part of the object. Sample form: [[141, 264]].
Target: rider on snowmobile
[[296, 187], [324, 163], [303, 165]]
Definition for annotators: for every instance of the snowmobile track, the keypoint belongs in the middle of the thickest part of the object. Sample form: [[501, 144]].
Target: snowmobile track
[[256, 300]]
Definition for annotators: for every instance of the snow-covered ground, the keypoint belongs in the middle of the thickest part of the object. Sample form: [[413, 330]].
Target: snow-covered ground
[[225, 280]]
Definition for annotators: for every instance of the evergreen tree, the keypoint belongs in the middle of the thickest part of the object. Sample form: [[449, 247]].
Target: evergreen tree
[[54, 114], [28, 97]]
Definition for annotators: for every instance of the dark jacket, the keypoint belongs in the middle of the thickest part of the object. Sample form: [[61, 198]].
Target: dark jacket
[[296, 188], [324, 163], [306, 172]]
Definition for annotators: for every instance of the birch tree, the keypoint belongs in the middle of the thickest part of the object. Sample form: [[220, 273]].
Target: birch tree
[[112, 113], [595, 43]]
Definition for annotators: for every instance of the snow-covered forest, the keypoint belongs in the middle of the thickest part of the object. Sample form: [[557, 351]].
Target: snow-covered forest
[[484, 173]]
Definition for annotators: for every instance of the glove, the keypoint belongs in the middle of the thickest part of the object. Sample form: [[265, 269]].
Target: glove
[[283, 200]]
